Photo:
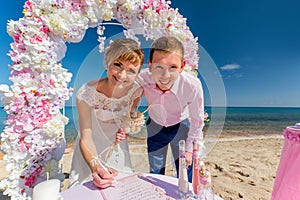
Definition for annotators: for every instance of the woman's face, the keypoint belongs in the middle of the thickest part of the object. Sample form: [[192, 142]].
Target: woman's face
[[122, 74]]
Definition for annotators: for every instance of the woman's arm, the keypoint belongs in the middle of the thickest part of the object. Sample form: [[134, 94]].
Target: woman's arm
[[86, 143], [101, 178]]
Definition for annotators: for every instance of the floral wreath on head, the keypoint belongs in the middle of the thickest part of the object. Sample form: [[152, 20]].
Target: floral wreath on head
[[33, 138]]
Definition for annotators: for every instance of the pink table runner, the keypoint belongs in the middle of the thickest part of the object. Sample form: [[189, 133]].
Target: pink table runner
[[287, 182]]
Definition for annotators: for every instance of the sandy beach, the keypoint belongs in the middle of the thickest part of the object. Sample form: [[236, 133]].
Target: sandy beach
[[246, 168], [241, 167]]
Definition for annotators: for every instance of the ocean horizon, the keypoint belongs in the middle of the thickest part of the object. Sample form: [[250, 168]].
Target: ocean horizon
[[272, 120]]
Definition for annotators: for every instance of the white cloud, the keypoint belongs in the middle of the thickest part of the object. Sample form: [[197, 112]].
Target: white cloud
[[230, 67]]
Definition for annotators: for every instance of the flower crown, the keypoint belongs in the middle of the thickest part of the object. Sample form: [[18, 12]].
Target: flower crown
[[34, 126]]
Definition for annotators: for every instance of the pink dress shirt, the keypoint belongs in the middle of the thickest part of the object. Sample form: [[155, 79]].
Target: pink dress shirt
[[184, 100]]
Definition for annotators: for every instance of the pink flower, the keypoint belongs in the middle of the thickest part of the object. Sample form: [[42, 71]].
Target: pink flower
[[45, 29], [29, 181], [205, 115], [22, 147], [158, 6], [51, 83], [28, 6], [23, 191], [27, 9], [17, 37], [169, 25], [42, 115], [18, 129], [20, 46], [36, 39]]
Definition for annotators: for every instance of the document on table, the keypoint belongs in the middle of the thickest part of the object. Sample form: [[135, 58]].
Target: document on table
[[134, 187]]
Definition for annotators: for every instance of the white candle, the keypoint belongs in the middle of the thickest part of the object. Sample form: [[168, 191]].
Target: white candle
[[47, 190]]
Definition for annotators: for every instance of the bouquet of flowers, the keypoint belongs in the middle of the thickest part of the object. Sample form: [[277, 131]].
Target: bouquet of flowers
[[131, 124]]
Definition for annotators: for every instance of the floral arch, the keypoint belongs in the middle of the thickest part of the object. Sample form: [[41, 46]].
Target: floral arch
[[34, 130]]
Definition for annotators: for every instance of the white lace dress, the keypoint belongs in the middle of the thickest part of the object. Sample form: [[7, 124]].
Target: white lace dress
[[107, 117]]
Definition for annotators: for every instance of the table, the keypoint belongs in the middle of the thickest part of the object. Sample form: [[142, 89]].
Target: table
[[91, 192], [287, 181]]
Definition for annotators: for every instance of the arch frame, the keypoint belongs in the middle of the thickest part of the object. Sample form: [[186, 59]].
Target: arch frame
[[33, 137]]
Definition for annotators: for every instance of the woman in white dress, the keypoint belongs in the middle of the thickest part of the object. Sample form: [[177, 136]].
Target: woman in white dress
[[102, 106]]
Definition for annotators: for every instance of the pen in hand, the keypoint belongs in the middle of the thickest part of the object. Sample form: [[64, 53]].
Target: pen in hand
[[105, 168]]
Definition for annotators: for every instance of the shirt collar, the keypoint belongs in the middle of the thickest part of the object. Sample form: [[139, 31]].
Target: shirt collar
[[175, 86]]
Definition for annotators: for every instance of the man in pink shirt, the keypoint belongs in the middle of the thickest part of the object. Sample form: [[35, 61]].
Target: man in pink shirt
[[176, 99]]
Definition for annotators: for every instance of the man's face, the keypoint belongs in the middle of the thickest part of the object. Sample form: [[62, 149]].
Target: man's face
[[165, 68]]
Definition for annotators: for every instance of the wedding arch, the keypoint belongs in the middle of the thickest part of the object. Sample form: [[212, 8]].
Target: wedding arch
[[33, 137]]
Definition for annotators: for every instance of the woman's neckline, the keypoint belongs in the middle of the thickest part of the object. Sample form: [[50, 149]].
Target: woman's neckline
[[103, 82]]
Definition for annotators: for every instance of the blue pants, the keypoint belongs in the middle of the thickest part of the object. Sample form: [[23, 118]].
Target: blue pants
[[158, 139]]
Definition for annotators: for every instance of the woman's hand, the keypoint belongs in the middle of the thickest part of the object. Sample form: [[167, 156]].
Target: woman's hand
[[103, 178], [121, 135]]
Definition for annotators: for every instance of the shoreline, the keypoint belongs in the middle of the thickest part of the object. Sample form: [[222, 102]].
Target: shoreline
[[236, 167]]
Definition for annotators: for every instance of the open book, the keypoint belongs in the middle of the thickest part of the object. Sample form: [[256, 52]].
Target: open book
[[136, 186]]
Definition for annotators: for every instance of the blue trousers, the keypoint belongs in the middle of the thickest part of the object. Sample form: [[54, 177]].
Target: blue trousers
[[159, 137]]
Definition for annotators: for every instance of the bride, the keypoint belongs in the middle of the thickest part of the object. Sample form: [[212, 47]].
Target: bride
[[102, 106]]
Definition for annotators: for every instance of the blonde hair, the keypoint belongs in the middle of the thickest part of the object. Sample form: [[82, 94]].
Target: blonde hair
[[168, 44], [124, 49]]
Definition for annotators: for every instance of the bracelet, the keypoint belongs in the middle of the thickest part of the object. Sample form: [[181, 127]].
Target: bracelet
[[94, 161]]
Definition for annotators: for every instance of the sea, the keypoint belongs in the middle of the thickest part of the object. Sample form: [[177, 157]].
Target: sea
[[238, 120]]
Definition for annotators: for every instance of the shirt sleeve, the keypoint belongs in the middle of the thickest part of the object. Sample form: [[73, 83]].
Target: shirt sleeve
[[144, 78], [196, 116]]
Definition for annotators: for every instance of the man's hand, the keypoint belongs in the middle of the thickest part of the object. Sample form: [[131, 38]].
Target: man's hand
[[121, 135], [189, 158]]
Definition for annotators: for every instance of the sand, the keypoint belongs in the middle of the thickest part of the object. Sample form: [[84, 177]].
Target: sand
[[241, 167], [245, 169]]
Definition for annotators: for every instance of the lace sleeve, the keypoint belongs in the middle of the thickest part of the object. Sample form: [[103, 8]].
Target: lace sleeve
[[86, 94]]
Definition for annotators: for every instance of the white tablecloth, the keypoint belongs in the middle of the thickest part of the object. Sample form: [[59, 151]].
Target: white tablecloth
[[88, 191]]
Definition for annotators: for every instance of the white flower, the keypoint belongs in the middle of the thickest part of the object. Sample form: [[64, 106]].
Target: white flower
[[4, 88]]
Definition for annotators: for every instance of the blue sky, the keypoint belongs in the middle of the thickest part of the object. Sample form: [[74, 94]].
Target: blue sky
[[250, 46]]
